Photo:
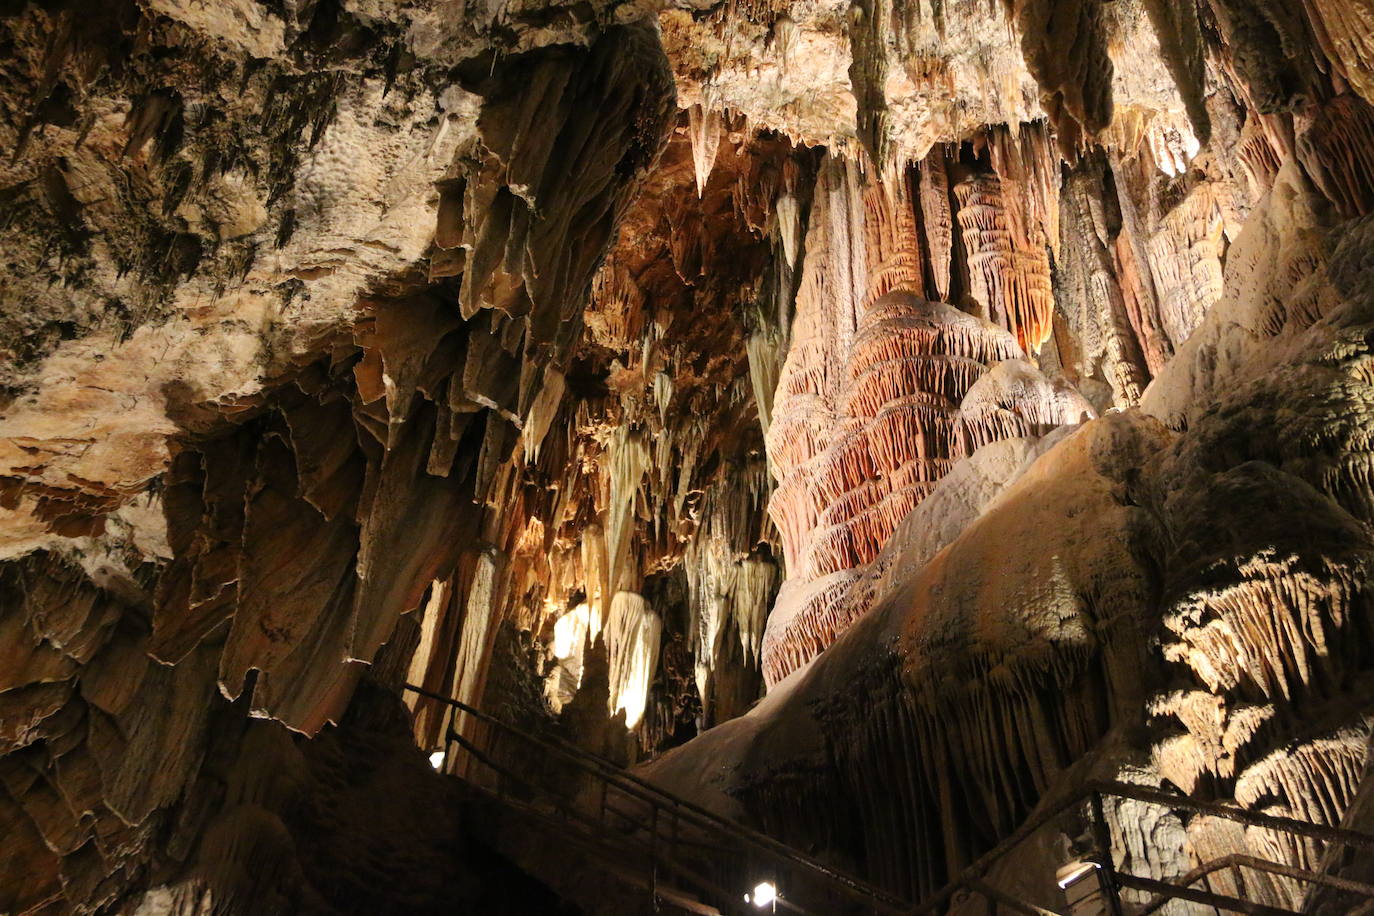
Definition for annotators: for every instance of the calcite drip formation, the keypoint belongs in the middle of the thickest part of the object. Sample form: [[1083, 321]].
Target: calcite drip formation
[[985, 396], [883, 393]]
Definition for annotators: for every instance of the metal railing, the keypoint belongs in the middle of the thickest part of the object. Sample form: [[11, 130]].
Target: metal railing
[[973, 877], [674, 848], [677, 844]]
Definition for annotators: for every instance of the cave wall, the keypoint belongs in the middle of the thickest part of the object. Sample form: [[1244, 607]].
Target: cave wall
[[985, 385]]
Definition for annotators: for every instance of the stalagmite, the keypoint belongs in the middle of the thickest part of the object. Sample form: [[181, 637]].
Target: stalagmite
[[833, 283], [900, 430]]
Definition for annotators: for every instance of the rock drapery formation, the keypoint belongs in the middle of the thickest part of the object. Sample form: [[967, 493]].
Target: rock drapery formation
[[910, 409]]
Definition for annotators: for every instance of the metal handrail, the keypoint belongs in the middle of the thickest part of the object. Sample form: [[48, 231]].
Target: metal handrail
[[609, 773], [1236, 861], [657, 798], [1094, 791]]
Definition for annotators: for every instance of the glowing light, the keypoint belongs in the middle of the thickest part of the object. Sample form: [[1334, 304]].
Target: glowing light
[[436, 760], [1073, 872], [764, 894]]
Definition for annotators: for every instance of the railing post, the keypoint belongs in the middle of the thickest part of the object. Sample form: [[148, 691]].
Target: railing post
[[1102, 839], [672, 841], [653, 853]]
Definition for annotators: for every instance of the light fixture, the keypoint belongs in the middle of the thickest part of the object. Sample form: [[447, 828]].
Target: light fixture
[[764, 894], [1081, 882], [1074, 872], [436, 760]]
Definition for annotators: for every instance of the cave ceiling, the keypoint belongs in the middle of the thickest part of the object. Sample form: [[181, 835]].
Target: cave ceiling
[[870, 417]]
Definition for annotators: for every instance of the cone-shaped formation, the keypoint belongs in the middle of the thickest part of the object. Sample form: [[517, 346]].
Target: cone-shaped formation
[[704, 129]]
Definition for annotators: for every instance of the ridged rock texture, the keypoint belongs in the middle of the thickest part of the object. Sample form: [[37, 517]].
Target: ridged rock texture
[[877, 417]]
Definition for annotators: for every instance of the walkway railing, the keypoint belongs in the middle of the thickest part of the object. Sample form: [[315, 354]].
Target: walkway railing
[[675, 846], [674, 842], [1113, 880]]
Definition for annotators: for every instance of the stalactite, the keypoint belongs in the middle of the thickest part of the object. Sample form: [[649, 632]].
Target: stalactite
[[633, 631], [1180, 41], [1065, 50], [267, 448], [869, 27], [1348, 32], [479, 629], [542, 413], [527, 255], [1027, 167], [1268, 46], [1113, 332], [937, 220], [571, 635], [1336, 147], [1010, 282], [730, 582], [1185, 255], [1258, 155], [628, 457], [704, 127], [930, 702], [789, 224], [891, 243]]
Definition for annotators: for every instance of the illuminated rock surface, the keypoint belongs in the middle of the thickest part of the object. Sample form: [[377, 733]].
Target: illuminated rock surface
[[880, 416]]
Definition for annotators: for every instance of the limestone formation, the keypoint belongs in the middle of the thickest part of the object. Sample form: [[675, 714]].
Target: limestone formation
[[876, 418]]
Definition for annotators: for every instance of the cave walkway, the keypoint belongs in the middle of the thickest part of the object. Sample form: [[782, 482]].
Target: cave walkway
[[633, 839], [683, 857]]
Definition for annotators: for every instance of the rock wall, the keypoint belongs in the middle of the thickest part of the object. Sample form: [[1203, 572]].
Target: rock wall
[[247, 542], [988, 383]]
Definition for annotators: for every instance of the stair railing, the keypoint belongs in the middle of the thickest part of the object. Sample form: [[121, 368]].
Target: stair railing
[[681, 835], [684, 840]]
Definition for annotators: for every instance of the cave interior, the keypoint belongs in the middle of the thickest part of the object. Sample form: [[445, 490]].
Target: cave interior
[[694, 456]]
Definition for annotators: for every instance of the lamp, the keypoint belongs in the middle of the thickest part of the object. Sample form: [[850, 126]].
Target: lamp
[[1081, 882], [765, 893]]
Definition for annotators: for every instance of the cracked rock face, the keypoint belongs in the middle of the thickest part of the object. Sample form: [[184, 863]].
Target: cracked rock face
[[909, 408]]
